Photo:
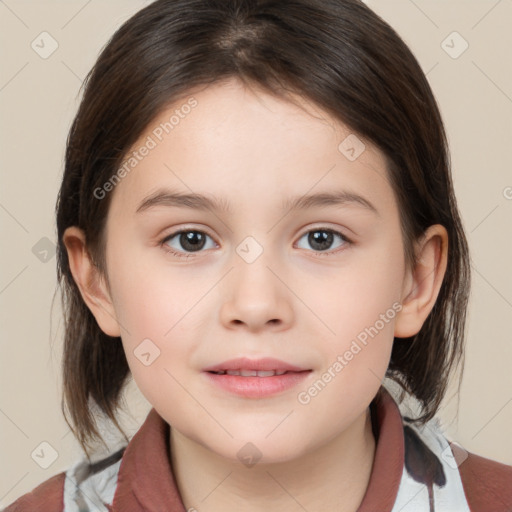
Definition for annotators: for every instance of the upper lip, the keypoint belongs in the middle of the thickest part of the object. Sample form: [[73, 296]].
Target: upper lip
[[244, 363]]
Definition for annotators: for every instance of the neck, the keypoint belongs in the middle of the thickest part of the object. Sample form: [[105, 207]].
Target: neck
[[334, 476]]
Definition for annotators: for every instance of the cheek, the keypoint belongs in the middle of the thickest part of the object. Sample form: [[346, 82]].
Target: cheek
[[152, 300], [355, 296], [158, 310], [361, 312], [358, 307]]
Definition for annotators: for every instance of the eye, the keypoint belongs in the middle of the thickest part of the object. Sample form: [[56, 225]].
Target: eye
[[190, 240], [185, 242], [322, 239]]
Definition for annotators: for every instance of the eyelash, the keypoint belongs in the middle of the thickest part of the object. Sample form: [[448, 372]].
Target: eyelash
[[166, 248]]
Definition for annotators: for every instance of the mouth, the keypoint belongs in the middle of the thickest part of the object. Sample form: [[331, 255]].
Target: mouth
[[256, 384], [246, 367], [254, 373], [256, 378]]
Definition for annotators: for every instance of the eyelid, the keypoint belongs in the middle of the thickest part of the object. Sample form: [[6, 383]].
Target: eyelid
[[318, 225], [325, 226], [349, 240], [177, 231]]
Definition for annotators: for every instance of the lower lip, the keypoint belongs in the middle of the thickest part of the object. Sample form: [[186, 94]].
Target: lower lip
[[257, 387]]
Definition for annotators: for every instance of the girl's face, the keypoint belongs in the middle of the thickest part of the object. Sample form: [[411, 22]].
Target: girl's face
[[317, 285]]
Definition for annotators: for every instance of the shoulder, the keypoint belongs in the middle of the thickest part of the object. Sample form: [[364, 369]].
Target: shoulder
[[89, 484], [487, 483], [466, 480], [46, 497]]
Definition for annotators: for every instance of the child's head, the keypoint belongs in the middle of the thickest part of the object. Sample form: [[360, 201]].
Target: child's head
[[255, 104]]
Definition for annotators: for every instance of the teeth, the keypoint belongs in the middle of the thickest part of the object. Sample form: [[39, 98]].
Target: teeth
[[268, 373], [252, 373], [246, 373]]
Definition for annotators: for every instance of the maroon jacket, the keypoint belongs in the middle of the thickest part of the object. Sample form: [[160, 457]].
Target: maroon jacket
[[146, 483]]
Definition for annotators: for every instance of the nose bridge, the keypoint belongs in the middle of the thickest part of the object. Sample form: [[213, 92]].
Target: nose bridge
[[255, 295], [252, 275]]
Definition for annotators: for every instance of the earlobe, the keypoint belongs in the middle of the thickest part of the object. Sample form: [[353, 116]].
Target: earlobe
[[423, 283], [89, 281]]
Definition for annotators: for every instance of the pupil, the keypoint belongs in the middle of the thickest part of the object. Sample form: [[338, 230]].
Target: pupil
[[323, 239]]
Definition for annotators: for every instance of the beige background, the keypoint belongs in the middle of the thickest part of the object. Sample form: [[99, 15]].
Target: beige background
[[38, 98]]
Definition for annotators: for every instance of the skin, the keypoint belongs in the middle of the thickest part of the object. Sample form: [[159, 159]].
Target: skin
[[254, 150]]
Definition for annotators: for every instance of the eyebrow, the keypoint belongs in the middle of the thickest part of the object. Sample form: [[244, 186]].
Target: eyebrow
[[195, 201]]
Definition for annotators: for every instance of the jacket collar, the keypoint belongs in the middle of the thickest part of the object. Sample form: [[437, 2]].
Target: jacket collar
[[146, 481]]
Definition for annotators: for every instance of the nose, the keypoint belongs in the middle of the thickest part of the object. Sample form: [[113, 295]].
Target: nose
[[255, 297]]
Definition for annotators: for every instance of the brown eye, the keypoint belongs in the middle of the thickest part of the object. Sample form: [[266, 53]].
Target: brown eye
[[184, 241], [321, 239]]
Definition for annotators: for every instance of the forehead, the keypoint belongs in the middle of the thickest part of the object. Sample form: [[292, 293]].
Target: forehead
[[231, 140]]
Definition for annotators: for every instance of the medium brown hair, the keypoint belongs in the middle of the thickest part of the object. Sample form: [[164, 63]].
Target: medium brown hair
[[338, 54]]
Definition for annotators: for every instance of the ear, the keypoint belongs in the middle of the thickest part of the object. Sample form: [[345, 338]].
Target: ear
[[422, 284], [90, 282]]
